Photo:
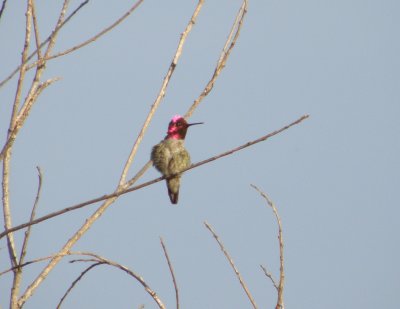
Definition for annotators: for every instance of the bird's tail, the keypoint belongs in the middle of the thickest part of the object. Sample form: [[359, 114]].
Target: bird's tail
[[173, 189]]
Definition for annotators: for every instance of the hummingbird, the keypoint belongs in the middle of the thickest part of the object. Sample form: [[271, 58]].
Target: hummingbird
[[170, 156]]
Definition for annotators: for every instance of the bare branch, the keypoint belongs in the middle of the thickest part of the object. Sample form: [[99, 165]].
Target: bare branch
[[172, 273], [3, 7], [23, 114], [101, 33], [148, 183], [76, 281], [161, 93], [229, 44], [6, 163], [33, 213], [36, 28], [220, 65], [269, 275], [280, 304], [242, 283], [121, 186], [103, 261], [41, 45], [26, 264]]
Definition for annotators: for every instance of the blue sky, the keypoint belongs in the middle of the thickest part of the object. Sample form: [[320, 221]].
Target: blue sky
[[334, 177]]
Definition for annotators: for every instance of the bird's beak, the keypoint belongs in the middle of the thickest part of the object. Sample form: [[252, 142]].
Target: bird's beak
[[195, 123]]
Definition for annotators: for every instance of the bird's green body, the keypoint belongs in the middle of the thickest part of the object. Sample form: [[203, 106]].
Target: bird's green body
[[170, 157]]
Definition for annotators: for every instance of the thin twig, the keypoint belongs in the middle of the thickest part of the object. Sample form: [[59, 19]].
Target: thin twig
[[148, 183], [280, 304], [3, 6], [11, 75], [171, 270], [161, 93], [76, 281], [98, 35], [24, 113], [229, 44], [103, 261], [269, 275], [36, 29], [26, 264], [139, 174], [33, 213], [242, 283]]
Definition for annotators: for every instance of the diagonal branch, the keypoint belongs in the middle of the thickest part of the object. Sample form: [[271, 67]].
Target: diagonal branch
[[161, 93], [75, 282], [229, 44], [33, 213], [95, 37], [148, 183], [269, 275], [26, 264], [2, 83], [3, 7], [242, 283], [171, 270]]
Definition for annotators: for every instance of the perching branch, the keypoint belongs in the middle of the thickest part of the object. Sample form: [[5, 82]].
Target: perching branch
[[148, 183], [242, 283], [280, 286], [228, 46], [161, 93]]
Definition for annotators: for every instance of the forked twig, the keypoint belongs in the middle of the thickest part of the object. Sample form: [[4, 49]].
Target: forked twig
[[121, 186], [11, 75], [75, 282], [229, 44], [280, 286], [242, 283], [171, 270], [95, 37]]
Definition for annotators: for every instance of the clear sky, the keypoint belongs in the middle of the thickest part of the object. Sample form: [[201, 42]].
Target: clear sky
[[334, 178]]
